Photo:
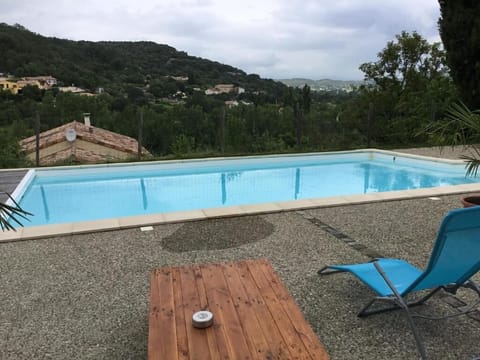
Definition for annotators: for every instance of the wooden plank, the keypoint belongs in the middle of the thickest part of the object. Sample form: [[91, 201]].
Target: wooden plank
[[289, 333], [276, 345], [221, 305], [216, 330], [154, 335], [257, 343], [163, 342], [9, 180], [309, 338], [180, 321], [198, 346], [254, 315], [217, 345]]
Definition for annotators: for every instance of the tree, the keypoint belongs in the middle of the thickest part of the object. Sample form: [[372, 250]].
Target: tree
[[459, 26], [406, 63], [404, 88], [11, 155], [32, 92], [300, 100]]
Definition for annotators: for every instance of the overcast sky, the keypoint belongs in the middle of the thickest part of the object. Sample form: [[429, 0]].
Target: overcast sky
[[273, 38]]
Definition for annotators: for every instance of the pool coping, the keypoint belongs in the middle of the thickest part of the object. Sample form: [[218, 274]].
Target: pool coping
[[45, 231]]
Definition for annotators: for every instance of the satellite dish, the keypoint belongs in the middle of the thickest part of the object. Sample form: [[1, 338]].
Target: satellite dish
[[70, 134]]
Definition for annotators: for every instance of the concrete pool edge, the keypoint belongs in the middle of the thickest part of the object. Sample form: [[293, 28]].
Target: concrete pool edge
[[142, 164], [47, 231]]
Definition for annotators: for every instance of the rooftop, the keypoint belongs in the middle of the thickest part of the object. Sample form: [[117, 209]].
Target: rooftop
[[90, 134]]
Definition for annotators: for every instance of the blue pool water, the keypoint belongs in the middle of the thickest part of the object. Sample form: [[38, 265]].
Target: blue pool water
[[80, 194]]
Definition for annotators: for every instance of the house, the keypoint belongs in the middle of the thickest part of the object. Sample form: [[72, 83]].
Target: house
[[45, 82], [22, 83], [231, 103], [42, 82], [179, 78], [212, 91], [82, 143], [224, 89], [75, 90], [9, 85]]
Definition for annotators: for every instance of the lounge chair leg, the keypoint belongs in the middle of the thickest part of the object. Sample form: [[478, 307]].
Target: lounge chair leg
[[473, 286], [327, 271], [425, 298], [402, 303], [416, 335], [364, 312]]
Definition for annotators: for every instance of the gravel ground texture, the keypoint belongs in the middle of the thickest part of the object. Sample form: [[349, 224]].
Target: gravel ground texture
[[86, 296], [446, 152]]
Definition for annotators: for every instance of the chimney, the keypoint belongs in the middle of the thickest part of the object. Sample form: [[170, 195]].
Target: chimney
[[86, 119]]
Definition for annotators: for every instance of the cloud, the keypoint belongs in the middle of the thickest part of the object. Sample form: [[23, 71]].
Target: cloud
[[274, 38]]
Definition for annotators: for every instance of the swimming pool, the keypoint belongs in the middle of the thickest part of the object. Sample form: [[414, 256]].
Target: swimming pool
[[76, 194]]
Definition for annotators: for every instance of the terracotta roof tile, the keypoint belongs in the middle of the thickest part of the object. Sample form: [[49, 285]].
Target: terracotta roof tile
[[86, 133]]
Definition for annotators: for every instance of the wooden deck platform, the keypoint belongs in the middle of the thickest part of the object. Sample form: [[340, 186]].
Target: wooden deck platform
[[254, 315], [9, 181]]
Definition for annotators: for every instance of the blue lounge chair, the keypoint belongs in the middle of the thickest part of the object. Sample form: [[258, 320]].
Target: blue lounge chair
[[454, 260]]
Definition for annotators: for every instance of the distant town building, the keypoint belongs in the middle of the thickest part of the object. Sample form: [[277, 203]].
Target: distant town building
[[75, 90], [180, 95], [8, 85], [22, 83], [44, 81], [15, 86], [231, 103], [81, 143], [179, 78], [224, 89], [4, 76]]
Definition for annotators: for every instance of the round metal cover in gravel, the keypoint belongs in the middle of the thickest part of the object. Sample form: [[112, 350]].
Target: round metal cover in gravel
[[218, 234]]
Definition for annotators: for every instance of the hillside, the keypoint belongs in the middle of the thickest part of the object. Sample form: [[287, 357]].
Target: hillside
[[113, 65], [323, 84]]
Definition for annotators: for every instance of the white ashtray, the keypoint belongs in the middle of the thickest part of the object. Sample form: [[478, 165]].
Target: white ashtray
[[202, 319]]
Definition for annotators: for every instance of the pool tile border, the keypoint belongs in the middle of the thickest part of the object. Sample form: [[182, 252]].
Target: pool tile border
[[46, 231]]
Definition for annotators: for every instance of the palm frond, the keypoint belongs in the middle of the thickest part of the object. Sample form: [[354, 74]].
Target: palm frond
[[461, 126], [472, 167], [473, 161], [10, 214]]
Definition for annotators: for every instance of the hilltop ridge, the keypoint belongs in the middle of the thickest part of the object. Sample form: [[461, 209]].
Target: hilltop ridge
[[114, 64]]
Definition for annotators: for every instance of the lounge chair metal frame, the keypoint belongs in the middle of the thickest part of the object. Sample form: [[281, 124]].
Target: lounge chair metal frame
[[456, 219]]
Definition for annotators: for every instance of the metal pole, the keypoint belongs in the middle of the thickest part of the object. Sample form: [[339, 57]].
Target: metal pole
[[369, 124], [433, 110], [140, 134], [222, 129], [37, 139]]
